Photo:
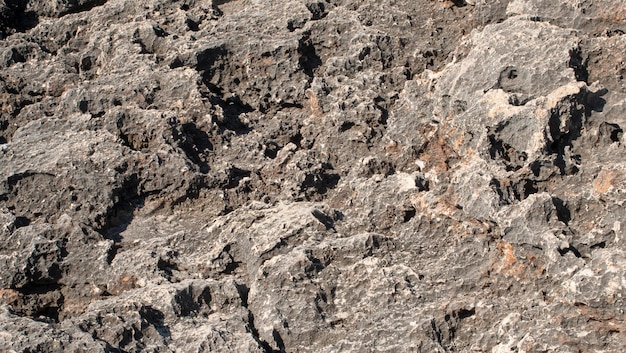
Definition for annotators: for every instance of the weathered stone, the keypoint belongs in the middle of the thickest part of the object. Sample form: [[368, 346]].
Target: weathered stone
[[312, 176]]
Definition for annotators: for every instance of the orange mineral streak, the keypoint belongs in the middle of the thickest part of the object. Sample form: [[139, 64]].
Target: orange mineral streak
[[603, 320], [505, 261], [123, 284], [442, 206], [8, 296], [75, 306], [604, 181], [314, 104], [393, 148], [509, 253], [520, 266], [437, 152], [619, 14]]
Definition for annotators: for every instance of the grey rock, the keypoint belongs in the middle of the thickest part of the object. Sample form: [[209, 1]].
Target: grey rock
[[31, 256], [593, 17], [312, 176], [27, 334]]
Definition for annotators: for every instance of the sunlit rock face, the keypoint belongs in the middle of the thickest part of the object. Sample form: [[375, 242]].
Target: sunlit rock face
[[312, 176]]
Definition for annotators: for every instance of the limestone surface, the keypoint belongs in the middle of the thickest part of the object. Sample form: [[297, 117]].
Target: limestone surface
[[312, 176]]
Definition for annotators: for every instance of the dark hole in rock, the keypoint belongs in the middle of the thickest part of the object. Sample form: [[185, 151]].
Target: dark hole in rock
[[231, 267], [21, 222], [309, 60], [317, 9], [83, 106], [85, 64], [610, 132], [571, 249], [513, 191], [327, 221], [192, 25], [562, 210], [76, 7], [507, 80], [459, 3], [235, 175], [408, 214], [296, 139], [594, 102], [579, 64], [600, 245], [271, 149], [465, 313], [15, 18], [279, 341], [345, 126]]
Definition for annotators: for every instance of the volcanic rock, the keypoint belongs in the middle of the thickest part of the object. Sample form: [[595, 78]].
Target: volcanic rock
[[312, 176]]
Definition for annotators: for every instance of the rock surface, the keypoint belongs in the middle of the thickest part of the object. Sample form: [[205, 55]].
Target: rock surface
[[312, 176]]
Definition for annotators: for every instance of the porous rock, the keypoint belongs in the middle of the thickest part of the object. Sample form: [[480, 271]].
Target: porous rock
[[312, 176]]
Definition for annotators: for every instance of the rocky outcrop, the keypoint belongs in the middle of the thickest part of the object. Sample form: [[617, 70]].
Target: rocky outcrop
[[312, 176]]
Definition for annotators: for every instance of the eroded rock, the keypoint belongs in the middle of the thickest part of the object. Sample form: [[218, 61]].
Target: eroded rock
[[312, 176]]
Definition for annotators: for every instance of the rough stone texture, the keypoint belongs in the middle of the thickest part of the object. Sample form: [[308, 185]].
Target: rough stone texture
[[312, 176]]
